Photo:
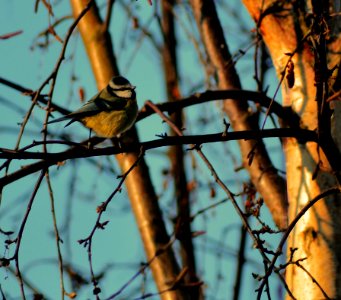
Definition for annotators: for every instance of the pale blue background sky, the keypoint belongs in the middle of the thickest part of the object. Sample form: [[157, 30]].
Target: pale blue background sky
[[120, 242]]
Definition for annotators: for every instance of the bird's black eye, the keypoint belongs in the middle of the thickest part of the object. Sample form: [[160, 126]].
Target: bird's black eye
[[119, 80]]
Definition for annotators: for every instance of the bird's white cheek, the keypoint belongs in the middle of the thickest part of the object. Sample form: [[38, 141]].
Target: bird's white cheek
[[124, 94]]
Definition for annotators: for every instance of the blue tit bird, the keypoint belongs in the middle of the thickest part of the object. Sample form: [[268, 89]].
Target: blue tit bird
[[109, 113]]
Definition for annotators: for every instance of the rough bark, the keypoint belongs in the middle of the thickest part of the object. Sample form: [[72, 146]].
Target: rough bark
[[141, 193], [262, 173], [317, 235]]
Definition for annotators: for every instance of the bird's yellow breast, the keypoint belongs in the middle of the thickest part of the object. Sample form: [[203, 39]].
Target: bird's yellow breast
[[110, 124]]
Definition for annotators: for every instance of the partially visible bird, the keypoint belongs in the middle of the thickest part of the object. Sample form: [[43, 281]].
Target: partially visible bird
[[109, 113]]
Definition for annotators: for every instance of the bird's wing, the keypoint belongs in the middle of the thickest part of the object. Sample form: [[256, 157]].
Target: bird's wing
[[94, 106], [113, 103]]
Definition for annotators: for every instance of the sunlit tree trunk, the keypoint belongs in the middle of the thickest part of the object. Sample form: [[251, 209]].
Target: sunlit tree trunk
[[140, 190], [286, 32]]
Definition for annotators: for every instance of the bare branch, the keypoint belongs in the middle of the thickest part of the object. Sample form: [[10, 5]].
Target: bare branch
[[279, 250], [270, 185], [83, 151]]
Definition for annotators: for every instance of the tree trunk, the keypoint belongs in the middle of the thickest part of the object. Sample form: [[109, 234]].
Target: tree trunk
[[317, 236], [263, 175], [141, 193], [176, 153]]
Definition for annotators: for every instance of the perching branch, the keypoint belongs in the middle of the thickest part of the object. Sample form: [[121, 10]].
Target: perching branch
[[82, 151]]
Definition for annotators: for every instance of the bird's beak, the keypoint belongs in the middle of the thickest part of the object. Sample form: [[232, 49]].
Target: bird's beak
[[133, 87]]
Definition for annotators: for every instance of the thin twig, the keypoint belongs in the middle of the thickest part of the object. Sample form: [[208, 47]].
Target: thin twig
[[57, 236], [284, 113], [87, 242], [26, 91], [331, 191], [54, 73], [313, 280], [142, 270], [19, 237], [241, 264], [107, 19], [215, 175], [289, 61]]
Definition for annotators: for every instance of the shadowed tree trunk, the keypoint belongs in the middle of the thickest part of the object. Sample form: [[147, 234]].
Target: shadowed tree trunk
[[263, 175], [176, 153]]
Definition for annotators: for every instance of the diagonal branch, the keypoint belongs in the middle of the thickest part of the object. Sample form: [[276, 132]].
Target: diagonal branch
[[286, 114], [279, 250], [269, 184]]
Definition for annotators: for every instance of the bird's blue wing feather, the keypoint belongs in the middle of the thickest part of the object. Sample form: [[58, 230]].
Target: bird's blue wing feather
[[94, 106]]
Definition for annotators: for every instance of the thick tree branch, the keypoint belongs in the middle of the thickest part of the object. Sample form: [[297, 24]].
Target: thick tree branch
[[286, 114], [41, 98], [50, 159]]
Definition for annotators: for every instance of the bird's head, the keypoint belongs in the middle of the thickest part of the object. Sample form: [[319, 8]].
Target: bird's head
[[121, 87]]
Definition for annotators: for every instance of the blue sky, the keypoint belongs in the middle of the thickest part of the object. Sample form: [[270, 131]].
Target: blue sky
[[119, 246]]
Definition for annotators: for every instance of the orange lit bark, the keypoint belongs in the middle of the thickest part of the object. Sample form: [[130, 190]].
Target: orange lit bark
[[317, 235], [139, 186]]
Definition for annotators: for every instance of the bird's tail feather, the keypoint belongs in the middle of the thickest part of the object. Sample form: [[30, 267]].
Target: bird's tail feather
[[69, 123], [57, 120], [61, 119]]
